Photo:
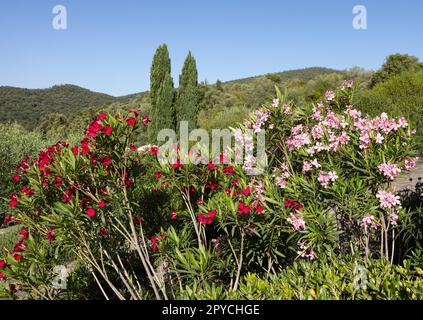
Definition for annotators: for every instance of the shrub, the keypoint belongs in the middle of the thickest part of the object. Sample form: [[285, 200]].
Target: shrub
[[146, 227], [400, 95]]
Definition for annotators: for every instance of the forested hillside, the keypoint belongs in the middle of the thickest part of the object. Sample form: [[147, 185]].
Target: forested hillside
[[30, 106]]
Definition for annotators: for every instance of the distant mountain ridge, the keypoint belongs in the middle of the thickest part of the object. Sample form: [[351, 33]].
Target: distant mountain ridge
[[30, 107]]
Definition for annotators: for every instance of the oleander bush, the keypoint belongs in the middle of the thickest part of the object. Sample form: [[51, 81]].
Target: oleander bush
[[143, 223]]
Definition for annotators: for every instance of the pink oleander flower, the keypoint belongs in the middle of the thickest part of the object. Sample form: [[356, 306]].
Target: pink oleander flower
[[280, 182], [410, 163], [402, 122], [353, 113], [299, 137], [388, 200], [390, 170], [309, 165], [332, 176], [343, 138], [364, 141], [297, 221], [315, 163], [287, 109], [261, 118], [379, 138], [325, 178], [347, 84], [369, 220], [393, 218], [275, 103], [317, 112], [317, 131], [331, 120], [305, 252], [329, 95]]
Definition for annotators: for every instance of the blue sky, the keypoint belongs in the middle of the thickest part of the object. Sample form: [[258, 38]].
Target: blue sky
[[109, 44]]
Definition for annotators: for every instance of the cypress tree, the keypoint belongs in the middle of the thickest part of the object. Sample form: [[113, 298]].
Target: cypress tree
[[160, 67], [187, 98], [165, 109]]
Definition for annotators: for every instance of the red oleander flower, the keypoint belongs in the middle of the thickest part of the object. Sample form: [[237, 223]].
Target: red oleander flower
[[27, 191], [129, 182], [84, 143], [246, 191], [292, 204], [243, 209], [212, 213], [17, 257], [158, 175], [259, 209], [132, 147], [104, 232], [16, 177], [107, 130], [137, 220], [199, 202], [13, 200], [102, 204], [154, 243], [24, 233], [204, 219], [75, 150], [131, 121], [91, 212], [177, 165], [94, 159], [235, 182], [57, 181], [8, 219], [51, 235], [212, 184], [211, 166], [229, 171], [106, 161], [154, 151], [93, 129], [207, 218], [85, 146], [145, 121], [173, 215], [3, 263], [102, 116]]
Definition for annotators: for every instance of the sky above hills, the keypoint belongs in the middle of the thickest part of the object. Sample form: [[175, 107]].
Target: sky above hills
[[108, 45]]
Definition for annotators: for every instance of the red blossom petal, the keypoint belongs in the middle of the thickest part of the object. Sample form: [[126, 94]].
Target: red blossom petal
[[91, 212]]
